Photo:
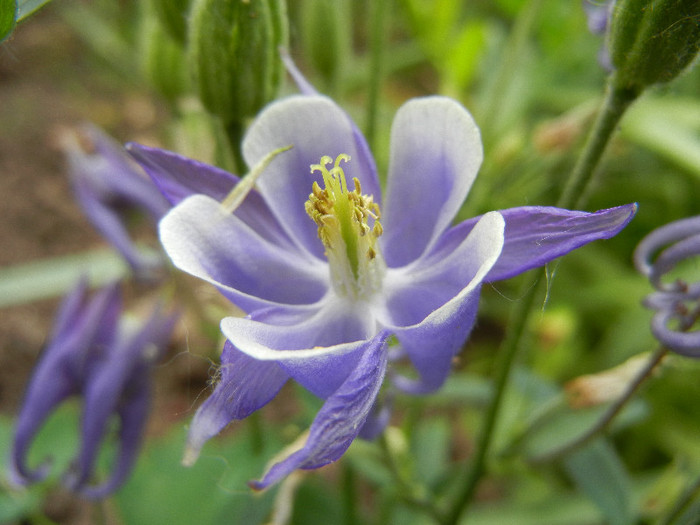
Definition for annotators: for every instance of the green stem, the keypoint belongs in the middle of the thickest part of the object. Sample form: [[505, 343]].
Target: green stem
[[616, 102], [682, 504], [376, 69], [257, 436], [349, 496], [609, 414], [234, 134], [405, 490], [507, 353]]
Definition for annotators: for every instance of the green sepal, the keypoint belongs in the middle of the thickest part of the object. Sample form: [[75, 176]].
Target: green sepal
[[653, 41], [8, 17], [326, 37], [162, 57], [233, 53], [173, 16]]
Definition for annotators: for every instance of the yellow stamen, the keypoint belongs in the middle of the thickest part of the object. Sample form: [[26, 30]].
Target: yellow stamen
[[342, 218]]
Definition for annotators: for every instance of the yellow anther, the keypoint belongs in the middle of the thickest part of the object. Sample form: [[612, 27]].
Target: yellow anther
[[342, 218]]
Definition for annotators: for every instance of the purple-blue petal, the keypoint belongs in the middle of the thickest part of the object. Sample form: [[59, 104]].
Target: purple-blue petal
[[112, 174], [81, 326], [305, 87], [340, 419], [317, 346], [244, 385], [377, 420], [432, 341], [178, 177], [120, 384], [646, 251], [132, 418], [435, 155], [535, 235], [683, 343], [109, 222], [413, 292], [206, 241]]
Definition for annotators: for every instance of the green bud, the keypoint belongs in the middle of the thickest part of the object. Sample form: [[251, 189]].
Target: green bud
[[652, 41], [234, 54], [326, 37], [162, 58], [173, 16]]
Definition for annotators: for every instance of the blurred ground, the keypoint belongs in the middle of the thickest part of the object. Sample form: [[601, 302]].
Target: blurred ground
[[48, 82]]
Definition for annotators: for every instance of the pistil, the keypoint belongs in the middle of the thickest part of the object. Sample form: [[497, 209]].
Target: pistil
[[343, 218]]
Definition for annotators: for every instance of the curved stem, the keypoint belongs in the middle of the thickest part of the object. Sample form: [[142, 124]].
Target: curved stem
[[349, 495], [608, 416], [234, 134], [616, 102], [507, 352], [406, 491], [682, 504]]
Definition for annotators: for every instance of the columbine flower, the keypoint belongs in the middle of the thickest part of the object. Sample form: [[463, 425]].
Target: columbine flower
[[328, 270], [107, 183], [677, 304], [105, 360]]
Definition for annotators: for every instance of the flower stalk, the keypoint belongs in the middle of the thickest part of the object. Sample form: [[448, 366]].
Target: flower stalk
[[616, 102], [609, 414]]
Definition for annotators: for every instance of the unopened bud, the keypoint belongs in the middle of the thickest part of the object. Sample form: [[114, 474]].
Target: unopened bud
[[604, 387], [162, 58], [326, 36], [234, 54], [653, 41], [172, 15]]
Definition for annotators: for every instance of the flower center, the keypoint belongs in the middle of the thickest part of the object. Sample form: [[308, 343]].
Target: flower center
[[343, 219]]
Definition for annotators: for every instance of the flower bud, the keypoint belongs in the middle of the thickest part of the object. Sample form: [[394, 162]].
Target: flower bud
[[162, 58], [326, 48], [652, 41], [172, 14], [233, 54]]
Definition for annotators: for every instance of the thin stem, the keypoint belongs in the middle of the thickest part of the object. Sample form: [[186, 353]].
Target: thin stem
[[507, 353], [234, 134], [616, 102], [405, 490], [376, 68], [256, 433], [609, 414], [682, 504], [349, 496]]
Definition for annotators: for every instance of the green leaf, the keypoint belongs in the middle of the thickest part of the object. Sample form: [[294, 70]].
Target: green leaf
[[8, 17], [54, 277], [599, 473], [431, 448], [212, 491], [669, 128]]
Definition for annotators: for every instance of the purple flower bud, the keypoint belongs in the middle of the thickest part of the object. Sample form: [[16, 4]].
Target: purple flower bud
[[677, 303], [598, 14], [93, 353], [107, 183]]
